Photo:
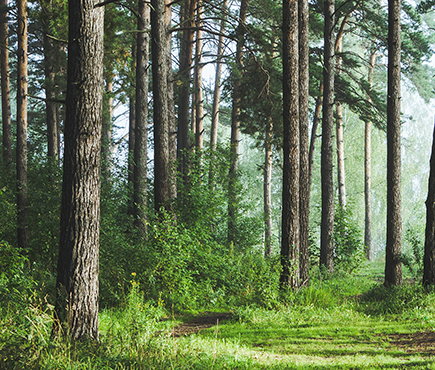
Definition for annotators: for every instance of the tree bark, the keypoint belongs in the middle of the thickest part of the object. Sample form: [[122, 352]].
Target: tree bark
[[49, 85], [217, 92], [291, 162], [131, 133], [131, 144], [160, 98], [341, 175], [327, 223], [368, 171], [267, 189], [393, 266], [184, 77], [313, 137], [217, 83], [429, 244], [172, 130], [199, 103], [107, 134], [304, 188], [235, 122], [5, 88], [22, 208], [77, 270], [141, 124]]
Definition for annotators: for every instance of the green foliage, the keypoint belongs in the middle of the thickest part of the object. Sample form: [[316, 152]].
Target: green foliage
[[15, 279], [412, 256], [44, 180], [7, 209], [348, 244], [381, 300], [189, 271], [119, 256]]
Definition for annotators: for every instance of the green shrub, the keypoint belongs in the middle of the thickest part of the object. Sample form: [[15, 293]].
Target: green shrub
[[394, 299], [412, 256], [348, 245]]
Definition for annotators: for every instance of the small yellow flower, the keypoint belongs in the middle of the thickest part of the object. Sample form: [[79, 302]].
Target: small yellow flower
[[133, 274]]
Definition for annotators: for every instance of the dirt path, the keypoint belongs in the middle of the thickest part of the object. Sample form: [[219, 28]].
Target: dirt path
[[204, 321], [421, 342]]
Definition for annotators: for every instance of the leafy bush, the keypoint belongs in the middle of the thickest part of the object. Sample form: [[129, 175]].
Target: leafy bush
[[7, 208], [395, 299], [188, 269], [348, 244], [412, 256], [16, 281]]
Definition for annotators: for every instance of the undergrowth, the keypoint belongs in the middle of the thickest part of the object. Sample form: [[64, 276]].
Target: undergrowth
[[328, 320]]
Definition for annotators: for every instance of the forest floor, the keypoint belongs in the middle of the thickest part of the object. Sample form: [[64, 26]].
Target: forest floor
[[345, 322], [197, 323], [419, 342]]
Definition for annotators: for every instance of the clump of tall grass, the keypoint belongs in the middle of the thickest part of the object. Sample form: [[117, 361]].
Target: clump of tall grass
[[381, 300]]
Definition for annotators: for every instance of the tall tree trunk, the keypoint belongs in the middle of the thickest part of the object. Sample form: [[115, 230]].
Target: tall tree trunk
[[429, 244], [340, 138], [172, 130], [131, 129], [319, 99], [77, 269], [141, 126], [291, 162], [313, 137], [217, 81], [304, 188], [235, 122], [107, 135], [184, 76], [368, 171], [5, 89], [217, 91], [199, 104], [131, 144], [162, 189], [267, 189], [327, 225], [49, 69], [393, 266], [22, 209]]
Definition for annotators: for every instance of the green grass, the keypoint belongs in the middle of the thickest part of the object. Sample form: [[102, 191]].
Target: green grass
[[338, 323]]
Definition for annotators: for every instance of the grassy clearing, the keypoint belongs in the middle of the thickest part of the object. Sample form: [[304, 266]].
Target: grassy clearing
[[339, 323]]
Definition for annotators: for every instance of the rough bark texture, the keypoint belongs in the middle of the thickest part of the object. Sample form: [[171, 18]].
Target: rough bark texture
[[304, 188], [217, 90], [141, 127], [368, 171], [107, 130], [184, 77], [131, 144], [267, 189], [199, 103], [340, 139], [49, 85], [429, 245], [22, 209], [313, 137], [235, 128], [172, 130], [5, 88], [393, 266], [291, 160], [160, 98], [217, 80], [77, 271], [327, 225]]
